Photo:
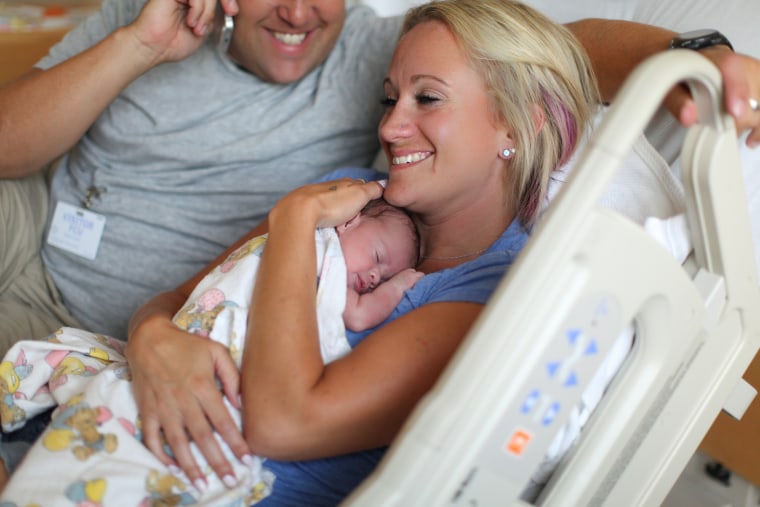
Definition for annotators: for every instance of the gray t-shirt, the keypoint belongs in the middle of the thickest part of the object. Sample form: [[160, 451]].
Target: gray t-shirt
[[193, 154]]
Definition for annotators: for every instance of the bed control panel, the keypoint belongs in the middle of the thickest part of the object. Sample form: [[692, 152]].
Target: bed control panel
[[553, 405]]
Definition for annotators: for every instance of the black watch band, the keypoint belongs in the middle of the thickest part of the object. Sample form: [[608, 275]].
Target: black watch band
[[699, 39]]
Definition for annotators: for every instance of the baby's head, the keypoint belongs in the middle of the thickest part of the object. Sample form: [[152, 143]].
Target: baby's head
[[378, 243]]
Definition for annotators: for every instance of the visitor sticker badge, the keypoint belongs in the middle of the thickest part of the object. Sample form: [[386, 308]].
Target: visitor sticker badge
[[76, 230]]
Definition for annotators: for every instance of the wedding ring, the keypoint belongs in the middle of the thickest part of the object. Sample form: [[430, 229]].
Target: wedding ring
[[754, 104]]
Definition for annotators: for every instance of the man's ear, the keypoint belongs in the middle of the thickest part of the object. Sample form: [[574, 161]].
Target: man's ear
[[349, 225]]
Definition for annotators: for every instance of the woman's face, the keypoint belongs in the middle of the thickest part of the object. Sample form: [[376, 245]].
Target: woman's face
[[439, 132], [283, 40]]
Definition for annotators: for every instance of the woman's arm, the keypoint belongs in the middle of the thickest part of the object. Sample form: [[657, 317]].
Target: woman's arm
[[294, 406], [302, 409], [174, 380]]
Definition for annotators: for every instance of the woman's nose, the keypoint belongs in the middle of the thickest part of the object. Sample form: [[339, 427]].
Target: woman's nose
[[395, 125]]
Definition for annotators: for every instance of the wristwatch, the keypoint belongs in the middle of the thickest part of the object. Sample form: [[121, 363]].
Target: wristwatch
[[699, 39]]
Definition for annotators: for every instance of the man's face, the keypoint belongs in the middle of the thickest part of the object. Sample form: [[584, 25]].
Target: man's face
[[281, 41]]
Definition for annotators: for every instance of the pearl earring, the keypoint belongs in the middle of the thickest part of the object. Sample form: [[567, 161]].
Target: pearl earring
[[507, 153]]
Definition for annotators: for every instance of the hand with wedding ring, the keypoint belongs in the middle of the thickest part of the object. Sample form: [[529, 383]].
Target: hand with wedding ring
[[741, 81]]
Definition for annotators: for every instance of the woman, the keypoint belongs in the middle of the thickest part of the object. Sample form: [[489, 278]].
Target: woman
[[484, 99]]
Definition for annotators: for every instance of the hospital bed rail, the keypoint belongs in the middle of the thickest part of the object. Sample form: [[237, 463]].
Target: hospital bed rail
[[585, 275]]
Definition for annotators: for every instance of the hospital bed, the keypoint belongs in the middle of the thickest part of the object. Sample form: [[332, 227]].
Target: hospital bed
[[584, 277]]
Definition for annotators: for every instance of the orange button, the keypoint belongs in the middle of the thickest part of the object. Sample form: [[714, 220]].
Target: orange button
[[518, 442]]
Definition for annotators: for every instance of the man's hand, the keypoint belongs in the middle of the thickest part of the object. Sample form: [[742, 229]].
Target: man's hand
[[171, 30], [741, 81]]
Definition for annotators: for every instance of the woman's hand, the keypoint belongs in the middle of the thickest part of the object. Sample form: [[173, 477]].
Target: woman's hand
[[741, 81], [327, 204], [174, 380], [171, 30]]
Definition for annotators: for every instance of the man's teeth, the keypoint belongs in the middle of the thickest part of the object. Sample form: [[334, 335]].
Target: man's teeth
[[408, 159], [291, 39]]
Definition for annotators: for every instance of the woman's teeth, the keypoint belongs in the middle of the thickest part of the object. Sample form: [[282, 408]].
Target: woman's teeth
[[408, 159]]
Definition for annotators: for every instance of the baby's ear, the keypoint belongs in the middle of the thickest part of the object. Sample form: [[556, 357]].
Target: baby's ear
[[349, 225]]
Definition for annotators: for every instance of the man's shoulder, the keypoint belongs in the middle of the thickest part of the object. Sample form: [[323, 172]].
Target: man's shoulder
[[369, 33]]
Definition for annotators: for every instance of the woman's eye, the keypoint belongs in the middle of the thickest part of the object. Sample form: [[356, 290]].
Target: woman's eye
[[426, 99], [387, 102]]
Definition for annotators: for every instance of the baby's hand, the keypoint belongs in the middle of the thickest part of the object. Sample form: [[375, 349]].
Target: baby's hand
[[406, 279]]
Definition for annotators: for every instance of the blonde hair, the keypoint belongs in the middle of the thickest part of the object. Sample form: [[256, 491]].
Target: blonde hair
[[533, 68]]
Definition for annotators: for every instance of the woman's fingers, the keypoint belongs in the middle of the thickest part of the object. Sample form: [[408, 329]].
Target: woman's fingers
[[220, 419], [326, 204], [193, 416], [192, 425], [151, 433], [174, 381], [342, 199]]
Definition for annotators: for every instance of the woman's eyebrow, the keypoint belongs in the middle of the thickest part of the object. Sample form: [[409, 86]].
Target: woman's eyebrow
[[417, 77], [420, 77]]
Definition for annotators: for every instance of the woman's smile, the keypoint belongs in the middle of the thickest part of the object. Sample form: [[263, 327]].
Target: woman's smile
[[410, 158]]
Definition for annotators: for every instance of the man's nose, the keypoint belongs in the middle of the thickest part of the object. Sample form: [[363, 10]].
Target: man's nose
[[295, 12]]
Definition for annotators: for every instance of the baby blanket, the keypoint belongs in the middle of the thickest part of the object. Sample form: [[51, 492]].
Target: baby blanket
[[92, 452]]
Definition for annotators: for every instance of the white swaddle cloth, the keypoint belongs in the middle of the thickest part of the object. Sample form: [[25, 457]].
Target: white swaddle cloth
[[218, 306]]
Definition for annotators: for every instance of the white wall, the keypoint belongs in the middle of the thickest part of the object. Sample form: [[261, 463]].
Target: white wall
[[390, 7]]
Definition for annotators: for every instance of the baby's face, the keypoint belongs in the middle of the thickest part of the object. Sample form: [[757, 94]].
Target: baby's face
[[375, 250]]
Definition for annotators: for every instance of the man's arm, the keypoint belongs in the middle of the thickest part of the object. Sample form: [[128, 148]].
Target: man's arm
[[43, 113], [616, 47]]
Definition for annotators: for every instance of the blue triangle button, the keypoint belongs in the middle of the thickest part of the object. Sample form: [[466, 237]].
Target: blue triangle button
[[573, 335]]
